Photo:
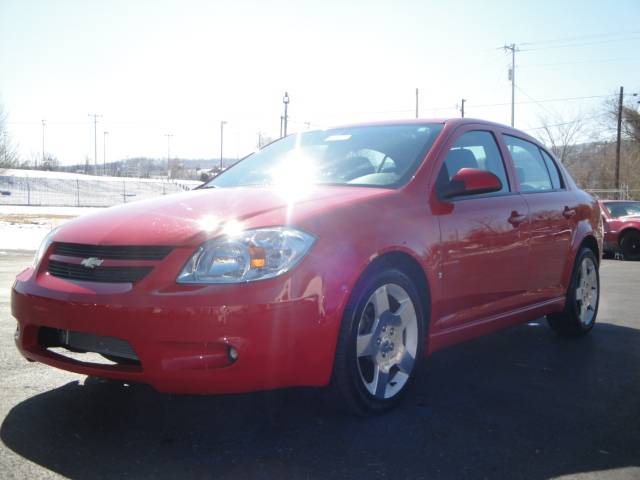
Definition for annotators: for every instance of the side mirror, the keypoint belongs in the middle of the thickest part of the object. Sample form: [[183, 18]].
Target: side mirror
[[472, 181]]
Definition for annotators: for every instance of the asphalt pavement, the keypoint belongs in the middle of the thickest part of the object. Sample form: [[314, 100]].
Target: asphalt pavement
[[522, 403]]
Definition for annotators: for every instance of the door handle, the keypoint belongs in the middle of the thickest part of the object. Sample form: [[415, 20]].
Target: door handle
[[516, 219], [568, 212]]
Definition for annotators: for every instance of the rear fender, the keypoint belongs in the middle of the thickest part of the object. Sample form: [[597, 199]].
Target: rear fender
[[583, 230]]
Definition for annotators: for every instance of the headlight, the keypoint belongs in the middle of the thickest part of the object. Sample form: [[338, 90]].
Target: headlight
[[249, 255], [44, 245]]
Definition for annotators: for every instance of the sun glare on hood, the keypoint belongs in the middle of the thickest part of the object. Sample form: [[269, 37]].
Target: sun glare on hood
[[208, 223]]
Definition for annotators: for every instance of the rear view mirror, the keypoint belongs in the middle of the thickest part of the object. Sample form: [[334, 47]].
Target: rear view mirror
[[472, 181]]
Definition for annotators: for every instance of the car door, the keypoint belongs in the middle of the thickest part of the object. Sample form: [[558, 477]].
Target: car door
[[483, 247], [552, 215]]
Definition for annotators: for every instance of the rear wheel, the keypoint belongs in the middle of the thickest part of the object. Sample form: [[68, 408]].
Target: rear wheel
[[630, 245], [583, 296], [381, 340]]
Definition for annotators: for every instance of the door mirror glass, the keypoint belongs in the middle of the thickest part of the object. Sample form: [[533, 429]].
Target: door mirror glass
[[472, 181]]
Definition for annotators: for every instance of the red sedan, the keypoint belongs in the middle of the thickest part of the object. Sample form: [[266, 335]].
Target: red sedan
[[335, 257], [621, 228]]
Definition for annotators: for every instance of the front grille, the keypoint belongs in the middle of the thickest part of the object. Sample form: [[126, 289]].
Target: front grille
[[112, 252], [100, 274]]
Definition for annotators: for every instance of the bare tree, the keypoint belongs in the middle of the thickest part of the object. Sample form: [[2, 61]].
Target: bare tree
[[263, 140], [630, 147], [8, 153], [561, 135], [631, 124], [630, 117], [50, 162]]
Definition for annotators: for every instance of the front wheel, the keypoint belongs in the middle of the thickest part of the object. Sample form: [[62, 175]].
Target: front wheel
[[583, 296], [381, 340]]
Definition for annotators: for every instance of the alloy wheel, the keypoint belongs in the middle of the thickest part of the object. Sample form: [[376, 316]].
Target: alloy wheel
[[587, 291], [387, 341]]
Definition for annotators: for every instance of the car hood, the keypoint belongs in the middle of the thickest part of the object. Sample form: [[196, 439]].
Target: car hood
[[192, 217]]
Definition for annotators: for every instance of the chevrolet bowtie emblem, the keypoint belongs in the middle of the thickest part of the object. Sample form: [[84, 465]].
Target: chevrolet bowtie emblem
[[91, 262]]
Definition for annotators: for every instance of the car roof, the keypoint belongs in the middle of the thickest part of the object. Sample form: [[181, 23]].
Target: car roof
[[451, 123]]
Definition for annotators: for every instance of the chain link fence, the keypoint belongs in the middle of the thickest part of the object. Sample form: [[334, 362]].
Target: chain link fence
[[66, 192], [624, 193]]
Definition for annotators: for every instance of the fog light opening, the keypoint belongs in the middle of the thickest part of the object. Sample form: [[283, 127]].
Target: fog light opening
[[232, 353]]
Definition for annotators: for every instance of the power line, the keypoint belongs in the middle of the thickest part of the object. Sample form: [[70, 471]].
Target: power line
[[535, 101], [569, 45], [581, 119], [579, 62], [582, 37], [548, 100]]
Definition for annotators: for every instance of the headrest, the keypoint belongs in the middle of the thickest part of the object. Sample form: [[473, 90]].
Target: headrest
[[460, 158]]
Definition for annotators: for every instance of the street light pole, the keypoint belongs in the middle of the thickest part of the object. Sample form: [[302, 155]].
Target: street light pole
[[285, 100], [95, 141], [104, 153], [43, 124], [168, 135], [222, 124]]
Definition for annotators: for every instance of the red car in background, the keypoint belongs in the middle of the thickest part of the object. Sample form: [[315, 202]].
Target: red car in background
[[621, 228], [335, 257]]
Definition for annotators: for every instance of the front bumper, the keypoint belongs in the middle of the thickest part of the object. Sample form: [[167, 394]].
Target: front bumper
[[181, 335]]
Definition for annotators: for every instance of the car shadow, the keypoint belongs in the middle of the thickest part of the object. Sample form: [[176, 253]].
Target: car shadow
[[522, 403]]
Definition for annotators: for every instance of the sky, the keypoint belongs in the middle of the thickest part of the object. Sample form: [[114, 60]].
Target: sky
[[157, 67]]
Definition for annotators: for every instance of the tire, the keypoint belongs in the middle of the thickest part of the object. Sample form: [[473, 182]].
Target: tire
[[583, 298], [630, 245], [380, 343]]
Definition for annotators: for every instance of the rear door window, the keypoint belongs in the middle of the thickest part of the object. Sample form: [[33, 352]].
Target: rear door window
[[531, 169]]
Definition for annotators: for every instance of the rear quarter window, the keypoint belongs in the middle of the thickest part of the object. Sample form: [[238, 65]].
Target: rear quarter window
[[554, 172]]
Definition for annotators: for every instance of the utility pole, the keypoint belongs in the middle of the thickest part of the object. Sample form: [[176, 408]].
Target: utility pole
[[619, 138], [417, 93], [285, 100], [222, 124], [43, 124], [512, 77], [462, 107], [168, 135], [95, 141], [104, 153]]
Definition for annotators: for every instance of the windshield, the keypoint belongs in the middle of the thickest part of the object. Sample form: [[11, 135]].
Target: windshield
[[383, 156], [623, 209]]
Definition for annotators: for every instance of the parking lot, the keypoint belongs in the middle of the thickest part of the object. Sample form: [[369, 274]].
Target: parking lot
[[522, 403]]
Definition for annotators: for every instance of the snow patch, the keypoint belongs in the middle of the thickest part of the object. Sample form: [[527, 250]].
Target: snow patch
[[23, 227]]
